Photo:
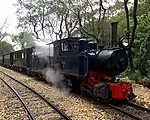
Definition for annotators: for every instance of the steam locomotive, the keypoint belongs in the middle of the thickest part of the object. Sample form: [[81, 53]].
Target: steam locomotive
[[84, 66]]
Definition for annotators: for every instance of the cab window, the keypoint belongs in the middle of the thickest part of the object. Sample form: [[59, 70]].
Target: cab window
[[69, 47], [66, 47]]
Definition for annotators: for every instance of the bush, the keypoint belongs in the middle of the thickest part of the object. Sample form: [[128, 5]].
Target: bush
[[132, 75]]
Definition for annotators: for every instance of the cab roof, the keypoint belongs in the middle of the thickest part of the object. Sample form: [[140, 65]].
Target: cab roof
[[65, 39]]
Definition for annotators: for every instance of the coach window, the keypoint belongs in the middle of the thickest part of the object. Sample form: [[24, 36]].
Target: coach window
[[51, 50], [22, 55], [14, 55], [66, 47]]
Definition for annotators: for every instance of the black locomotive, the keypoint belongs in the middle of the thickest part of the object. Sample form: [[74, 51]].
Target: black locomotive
[[82, 63]]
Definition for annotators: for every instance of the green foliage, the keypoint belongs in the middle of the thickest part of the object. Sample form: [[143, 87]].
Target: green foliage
[[103, 35], [68, 18], [5, 47], [23, 39], [141, 45], [132, 75]]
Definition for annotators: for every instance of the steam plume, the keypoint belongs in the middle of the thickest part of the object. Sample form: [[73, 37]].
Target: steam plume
[[53, 75]]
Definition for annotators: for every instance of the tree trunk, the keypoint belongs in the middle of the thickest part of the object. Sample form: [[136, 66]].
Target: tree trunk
[[133, 34], [130, 60], [133, 29], [127, 19]]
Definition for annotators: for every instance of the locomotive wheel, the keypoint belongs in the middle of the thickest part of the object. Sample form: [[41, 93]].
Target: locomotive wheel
[[102, 93], [67, 83], [73, 84], [76, 88]]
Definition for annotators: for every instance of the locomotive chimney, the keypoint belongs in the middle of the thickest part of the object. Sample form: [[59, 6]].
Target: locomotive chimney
[[114, 33]]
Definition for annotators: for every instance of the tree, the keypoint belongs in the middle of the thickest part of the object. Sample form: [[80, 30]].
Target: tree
[[133, 29], [23, 39], [3, 33], [66, 18], [5, 47], [143, 38], [144, 54], [141, 44], [46, 18]]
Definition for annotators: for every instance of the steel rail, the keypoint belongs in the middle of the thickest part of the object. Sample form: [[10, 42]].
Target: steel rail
[[61, 113], [125, 112], [138, 106], [31, 117]]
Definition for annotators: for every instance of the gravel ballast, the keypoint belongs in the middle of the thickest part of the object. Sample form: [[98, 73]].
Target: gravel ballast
[[74, 106], [10, 109]]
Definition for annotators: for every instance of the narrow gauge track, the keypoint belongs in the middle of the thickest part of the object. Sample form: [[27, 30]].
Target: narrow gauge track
[[141, 113], [24, 95]]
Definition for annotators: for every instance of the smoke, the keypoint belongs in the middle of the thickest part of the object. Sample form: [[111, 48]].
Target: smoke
[[53, 75], [42, 51]]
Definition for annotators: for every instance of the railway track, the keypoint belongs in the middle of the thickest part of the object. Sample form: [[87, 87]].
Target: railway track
[[130, 109], [133, 110], [33, 103]]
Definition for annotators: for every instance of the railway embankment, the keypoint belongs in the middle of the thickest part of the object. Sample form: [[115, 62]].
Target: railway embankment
[[73, 105]]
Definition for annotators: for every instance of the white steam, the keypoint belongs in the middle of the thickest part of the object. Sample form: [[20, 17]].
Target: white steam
[[56, 78], [43, 51], [53, 75]]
